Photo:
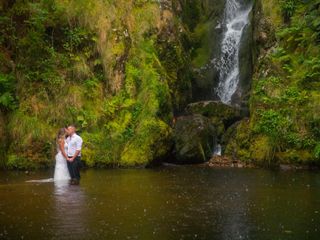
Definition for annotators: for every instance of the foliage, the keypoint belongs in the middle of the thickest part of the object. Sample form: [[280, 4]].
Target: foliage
[[98, 64], [288, 8], [274, 125], [142, 101], [7, 92], [285, 101], [317, 151]]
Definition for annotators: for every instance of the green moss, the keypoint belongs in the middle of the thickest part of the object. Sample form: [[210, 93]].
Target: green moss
[[236, 141], [139, 128], [20, 163], [194, 136], [272, 12], [191, 13], [261, 150], [213, 109], [151, 143], [202, 54], [110, 67], [293, 156]]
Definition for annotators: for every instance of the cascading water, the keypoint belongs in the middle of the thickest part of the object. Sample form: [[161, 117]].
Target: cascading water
[[217, 150], [236, 17]]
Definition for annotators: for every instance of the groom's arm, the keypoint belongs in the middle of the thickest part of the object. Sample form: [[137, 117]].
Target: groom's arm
[[74, 156]]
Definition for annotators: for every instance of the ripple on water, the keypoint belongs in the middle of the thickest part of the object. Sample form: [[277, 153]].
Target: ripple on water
[[164, 203]]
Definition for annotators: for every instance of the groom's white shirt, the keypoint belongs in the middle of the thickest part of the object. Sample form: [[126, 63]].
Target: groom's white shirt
[[74, 143]]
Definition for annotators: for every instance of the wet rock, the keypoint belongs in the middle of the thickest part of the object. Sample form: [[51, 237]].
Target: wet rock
[[194, 139], [215, 110], [224, 161], [241, 96], [204, 19], [263, 32], [235, 135], [285, 167], [292, 167]]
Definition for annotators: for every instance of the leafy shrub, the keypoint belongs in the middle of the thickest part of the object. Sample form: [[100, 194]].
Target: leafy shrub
[[317, 151], [274, 125], [7, 94], [288, 8]]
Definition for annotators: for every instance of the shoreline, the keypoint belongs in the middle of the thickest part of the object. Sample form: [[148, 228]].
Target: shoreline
[[216, 162], [226, 162]]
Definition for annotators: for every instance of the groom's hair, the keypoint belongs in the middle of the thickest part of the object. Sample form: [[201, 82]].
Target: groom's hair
[[73, 126]]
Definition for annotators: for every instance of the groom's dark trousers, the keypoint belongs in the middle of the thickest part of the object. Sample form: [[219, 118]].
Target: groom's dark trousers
[[74, 168]]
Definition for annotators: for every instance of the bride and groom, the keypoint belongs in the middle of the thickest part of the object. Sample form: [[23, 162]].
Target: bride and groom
[[68, 158]]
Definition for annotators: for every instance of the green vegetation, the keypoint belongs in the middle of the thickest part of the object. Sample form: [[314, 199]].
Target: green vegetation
[[108, 66], [7, 97], [288, 8], [119, 69], [285, 92]]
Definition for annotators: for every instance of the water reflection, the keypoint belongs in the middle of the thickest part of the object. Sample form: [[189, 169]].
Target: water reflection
[[236, 223], [61, 187], [69, 211]]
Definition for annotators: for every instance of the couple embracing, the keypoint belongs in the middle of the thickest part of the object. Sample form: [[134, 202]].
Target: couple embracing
[[68, 158]]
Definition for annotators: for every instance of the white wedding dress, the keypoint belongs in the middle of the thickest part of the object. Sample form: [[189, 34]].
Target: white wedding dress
[[61, 172]]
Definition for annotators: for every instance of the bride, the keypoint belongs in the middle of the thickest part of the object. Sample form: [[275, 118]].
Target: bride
[[61, 172]]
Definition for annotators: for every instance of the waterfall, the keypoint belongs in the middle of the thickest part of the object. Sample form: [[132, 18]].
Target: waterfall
[[217, 150], [236, 17]]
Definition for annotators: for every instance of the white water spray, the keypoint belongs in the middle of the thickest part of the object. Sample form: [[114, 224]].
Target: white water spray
[[217, 150]]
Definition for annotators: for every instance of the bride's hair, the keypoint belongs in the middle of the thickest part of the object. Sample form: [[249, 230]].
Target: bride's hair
[[61, 134]]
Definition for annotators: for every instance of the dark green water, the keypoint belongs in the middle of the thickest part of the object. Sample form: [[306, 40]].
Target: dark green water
[[164, 203]]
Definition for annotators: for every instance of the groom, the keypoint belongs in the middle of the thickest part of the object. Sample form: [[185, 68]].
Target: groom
[[74, 142]]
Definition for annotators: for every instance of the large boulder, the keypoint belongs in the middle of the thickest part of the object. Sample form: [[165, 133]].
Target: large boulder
[[216, 111], [194, 138]]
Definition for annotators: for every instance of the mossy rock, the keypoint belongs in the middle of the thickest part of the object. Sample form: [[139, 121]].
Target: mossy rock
[[152, 144], [201, 18], [260, 149], [219, 126], [194, 139], [293, 156], [235, 140], [240, 143], [215, 110]]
